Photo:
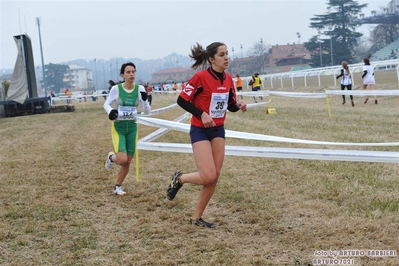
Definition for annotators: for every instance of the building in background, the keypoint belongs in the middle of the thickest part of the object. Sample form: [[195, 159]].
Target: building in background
[[171, 75], [289, 55], [79, 78], [280, 58]]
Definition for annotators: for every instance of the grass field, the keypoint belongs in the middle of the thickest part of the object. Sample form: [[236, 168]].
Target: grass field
[[57, 206]]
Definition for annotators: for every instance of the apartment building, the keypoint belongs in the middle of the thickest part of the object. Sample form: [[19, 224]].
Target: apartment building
[[79, 78]]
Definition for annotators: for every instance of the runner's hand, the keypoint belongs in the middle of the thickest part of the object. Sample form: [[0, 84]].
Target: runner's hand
[[113, 114], [207, 121], [242, 105]]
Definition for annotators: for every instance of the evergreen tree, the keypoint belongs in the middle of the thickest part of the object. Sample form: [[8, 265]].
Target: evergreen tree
[[54, 77], [342, 37]]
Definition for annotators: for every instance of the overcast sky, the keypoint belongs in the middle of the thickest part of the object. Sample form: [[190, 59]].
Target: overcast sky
[[153, 29]]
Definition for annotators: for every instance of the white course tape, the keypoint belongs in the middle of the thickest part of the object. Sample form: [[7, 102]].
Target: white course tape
[[166, 92], [250, 105], [254, 136], [156, 134], [160, 110], [254, 93], [298, 94], [155, 122], [323, 95], [364, 92], [269, 152], [288, 153], [62, 98]]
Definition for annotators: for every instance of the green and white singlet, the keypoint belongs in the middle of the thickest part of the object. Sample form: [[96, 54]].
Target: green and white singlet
[[124, 129]]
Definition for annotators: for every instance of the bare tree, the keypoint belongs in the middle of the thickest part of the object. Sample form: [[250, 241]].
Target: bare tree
[[384, 34], [259, 52], [362, 48]]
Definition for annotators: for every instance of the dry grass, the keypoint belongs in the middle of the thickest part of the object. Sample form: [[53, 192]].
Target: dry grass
[[57, 206]]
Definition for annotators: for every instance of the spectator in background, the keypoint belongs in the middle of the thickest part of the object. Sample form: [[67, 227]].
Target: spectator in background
[[238, 83], [94, 96], [111, 83], [392, 55], [52, 95], [166, 87], [69, 95], [104, 93], [183, 85], [66, 95], [79, 97], [256, 84], [148, 89], [368, 78]]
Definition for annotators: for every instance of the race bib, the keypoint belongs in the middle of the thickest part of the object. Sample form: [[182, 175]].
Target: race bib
[[127, 113], [218, 106]]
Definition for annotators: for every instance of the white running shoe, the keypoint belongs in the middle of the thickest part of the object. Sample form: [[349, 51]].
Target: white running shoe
[[108, 162], [118, 190]]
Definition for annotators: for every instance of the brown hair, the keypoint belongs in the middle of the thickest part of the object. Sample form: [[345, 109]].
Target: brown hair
[[201, 56], [345, 66], [366, 61]]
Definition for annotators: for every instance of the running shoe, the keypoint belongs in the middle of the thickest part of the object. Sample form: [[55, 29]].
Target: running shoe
[[108, 162], [202, 223], [118, 190], [174, 186]]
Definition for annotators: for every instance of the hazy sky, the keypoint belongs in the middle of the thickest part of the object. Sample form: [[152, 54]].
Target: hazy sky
[[153, 29]]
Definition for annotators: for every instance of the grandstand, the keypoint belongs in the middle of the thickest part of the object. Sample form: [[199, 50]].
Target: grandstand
[[390, 15], [391, 51], [300, 67]]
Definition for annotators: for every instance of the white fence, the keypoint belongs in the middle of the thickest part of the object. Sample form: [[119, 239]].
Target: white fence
[[277, 80]]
